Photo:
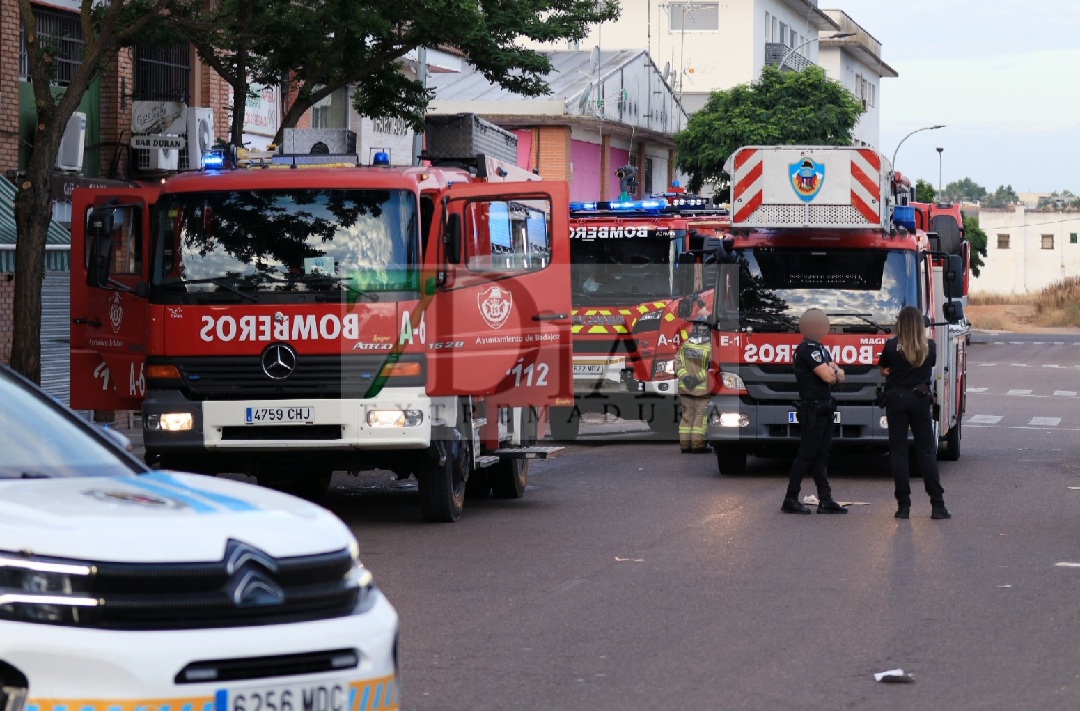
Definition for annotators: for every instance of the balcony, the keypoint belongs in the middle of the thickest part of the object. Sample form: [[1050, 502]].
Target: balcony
[[774, 54]]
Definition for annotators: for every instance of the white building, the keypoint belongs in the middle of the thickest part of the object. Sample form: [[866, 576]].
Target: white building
[[1026, 250], [707, 45]]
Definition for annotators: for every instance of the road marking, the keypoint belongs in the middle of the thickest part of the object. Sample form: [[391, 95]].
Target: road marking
[[986, 365], [981, 390], [1019, 365], [1044, 422], [1066, 565], [984, 419], [1018, 392], [1051, 366], [1065, 393]]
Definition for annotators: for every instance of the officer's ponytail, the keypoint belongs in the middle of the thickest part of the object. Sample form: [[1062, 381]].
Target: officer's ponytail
[[911, 338]]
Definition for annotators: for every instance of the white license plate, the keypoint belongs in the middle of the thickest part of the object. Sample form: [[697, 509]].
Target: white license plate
[[313, 696], [793, 418], [593, 369], [279, 415]]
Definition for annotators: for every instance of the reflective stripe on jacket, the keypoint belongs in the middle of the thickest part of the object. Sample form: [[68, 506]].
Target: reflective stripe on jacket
[[693, 360]]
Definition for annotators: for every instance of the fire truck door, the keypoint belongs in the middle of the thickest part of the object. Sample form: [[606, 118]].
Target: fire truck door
[[110, 249], [500, 323]]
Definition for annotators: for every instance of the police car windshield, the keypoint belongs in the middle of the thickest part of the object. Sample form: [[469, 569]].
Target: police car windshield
[[638, 265], [39, 440], [277, 244], [867, 284]]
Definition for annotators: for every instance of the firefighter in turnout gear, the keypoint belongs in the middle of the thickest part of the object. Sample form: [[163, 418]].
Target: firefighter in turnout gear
[[692, 371]]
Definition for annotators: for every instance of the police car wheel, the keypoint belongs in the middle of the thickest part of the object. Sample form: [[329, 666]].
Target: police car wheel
[[730, 459]]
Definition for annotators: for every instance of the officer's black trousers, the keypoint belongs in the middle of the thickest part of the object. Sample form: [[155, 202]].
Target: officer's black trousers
[[906, 408], [813, 455]]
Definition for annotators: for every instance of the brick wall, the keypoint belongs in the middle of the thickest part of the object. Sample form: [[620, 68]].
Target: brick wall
[[117, 83], [9, 85], [553, 152], [7, 295]]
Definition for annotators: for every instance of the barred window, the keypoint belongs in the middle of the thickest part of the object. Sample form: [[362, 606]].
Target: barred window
[[162, 73], [61, 32]]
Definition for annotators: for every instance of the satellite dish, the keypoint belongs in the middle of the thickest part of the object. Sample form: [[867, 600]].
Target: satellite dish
[[667, 70], [584, 100], [595, 57]]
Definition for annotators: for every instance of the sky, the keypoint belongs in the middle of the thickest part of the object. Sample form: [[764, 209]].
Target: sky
[[1004, 78]]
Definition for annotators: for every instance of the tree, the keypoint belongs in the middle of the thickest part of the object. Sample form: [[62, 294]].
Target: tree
[[977, 239], [337, 43], [105, 28], [965, 190], [800, 108], [1004, 196], [925, 191]]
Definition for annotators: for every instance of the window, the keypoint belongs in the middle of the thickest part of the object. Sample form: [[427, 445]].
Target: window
[[331, 111], [647, 179], [1048, 241], [1003, 241], [162, 73], [124, 241], [694, 16], [1072, 238], [508, 236], [775, 29], [768, 27], [794, 40], [62, 30], [783, 33]]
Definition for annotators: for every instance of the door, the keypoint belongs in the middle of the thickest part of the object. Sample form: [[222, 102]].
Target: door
[[109, 312], [499, 323]]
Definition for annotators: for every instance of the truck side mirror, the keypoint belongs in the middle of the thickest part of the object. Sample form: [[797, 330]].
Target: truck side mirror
[[953, 276], [99, 232], [684, 272], [953, 311], [452, 239]]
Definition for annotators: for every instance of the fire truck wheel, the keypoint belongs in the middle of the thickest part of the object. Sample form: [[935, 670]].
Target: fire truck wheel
[[509, 478], [442, 485], [730, 458], [565, 422], [478, 486], [951, 453]]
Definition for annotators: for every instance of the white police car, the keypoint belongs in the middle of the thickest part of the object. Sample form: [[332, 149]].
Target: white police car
[[123, 589]]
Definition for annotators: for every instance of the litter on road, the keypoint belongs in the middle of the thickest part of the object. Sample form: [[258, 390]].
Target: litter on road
[[811, 500], [894, 676]]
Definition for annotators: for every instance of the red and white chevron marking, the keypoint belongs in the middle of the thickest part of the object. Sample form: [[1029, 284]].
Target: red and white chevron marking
[[746, 183], [866, 184]]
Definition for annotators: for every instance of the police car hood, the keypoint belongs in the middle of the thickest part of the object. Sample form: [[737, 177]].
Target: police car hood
[[159, 517]]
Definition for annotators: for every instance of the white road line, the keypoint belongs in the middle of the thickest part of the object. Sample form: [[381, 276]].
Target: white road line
[[987, 365], [1059, 393], [1066, 565], [982, 390], [1044, 422], [984, 419], [1051, 366], [1018, 392], [1019, 365]]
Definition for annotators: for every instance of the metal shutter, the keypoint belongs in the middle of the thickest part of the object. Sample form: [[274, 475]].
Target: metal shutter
[[55, 337]]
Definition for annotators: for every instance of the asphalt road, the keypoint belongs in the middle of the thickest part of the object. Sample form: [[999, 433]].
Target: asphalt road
[[633, 577]]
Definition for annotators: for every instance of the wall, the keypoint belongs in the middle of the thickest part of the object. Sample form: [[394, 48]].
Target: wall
[[7, 297], [1025, 267], [842, 67], [525, 151], [585, 157], [553, 152]]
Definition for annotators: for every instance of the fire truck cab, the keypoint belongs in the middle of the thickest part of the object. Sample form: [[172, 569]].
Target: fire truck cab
[[292, 321], [821, 228]]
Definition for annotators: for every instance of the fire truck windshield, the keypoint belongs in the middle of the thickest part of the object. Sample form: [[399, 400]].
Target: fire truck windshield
[[857, 287], [271, 245], [626, 270]]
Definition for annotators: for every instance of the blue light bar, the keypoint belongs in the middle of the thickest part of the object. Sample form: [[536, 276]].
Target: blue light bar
[[213, 160], [582, 206], [652, 205], [904, 216]]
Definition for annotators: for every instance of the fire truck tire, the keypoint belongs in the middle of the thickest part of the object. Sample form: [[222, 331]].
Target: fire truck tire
[[510, 476], [565, 423], [479, 485], [442, 485], [730, 459], [951, 453]]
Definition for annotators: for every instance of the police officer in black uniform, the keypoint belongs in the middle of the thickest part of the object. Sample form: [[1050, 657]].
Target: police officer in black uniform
[[815, 374]]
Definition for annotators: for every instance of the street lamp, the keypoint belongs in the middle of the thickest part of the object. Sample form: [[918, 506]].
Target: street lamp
[[940, 150], [796, 48], [918, 130]]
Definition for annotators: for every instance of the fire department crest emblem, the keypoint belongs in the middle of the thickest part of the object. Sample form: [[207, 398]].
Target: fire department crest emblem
[[116, 312], [495, 305], [807, 177]]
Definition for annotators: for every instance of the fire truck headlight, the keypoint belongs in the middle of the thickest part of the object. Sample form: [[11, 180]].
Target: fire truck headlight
[[664, 367], [731, 381], [394, 418], [729, 419], [174, 422]]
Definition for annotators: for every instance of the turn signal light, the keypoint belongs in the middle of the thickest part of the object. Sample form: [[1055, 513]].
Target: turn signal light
[[401, 370], [162, 372]]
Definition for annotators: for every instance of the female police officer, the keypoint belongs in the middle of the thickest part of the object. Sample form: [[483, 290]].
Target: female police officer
[[907, 362]]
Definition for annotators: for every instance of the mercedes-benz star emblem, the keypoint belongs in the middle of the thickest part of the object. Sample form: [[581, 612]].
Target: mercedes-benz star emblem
[[278, 361]]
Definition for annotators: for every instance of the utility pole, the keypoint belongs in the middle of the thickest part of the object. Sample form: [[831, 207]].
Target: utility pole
[[940, 195], [421, 76]]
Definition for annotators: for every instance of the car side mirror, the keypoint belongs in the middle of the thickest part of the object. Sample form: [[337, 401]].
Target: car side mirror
[[953, 276], [452, 239], [953, 311], [99, 232]]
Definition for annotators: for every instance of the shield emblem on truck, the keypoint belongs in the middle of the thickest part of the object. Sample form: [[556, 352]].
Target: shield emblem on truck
[[807, 177], [495, 305]]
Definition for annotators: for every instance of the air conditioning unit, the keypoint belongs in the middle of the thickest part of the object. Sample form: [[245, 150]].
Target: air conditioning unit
[[200, 135], [164, 159], [73, 144]]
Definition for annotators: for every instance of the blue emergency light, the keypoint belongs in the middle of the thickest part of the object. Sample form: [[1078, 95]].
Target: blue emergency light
[[904, 216], [655, 205], [213, 159]]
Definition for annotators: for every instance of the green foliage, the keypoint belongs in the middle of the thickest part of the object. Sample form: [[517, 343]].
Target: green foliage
[[965, 190], [1004, 196], [925, 191], [781, 108], [977, 239]]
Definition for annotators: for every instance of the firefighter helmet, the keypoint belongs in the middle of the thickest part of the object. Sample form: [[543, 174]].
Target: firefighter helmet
[[700, 331]]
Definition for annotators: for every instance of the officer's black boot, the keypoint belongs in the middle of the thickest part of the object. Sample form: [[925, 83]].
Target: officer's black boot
[[938, 510], [903, 509], [792, 505], [830, 506]]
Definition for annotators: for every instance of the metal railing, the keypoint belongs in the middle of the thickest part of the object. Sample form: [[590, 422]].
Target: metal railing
[[774, 54]]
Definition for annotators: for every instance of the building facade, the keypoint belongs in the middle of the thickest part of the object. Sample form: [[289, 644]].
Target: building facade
[[1027, 250], [606, 109]]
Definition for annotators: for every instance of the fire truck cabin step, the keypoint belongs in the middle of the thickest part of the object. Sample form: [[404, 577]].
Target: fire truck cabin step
[[528, 452]]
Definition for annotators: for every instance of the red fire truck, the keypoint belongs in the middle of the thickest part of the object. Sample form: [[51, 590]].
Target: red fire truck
[[820, 228], [628, 260], [289, 323]]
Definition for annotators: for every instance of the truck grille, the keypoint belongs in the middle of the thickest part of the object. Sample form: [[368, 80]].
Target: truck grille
[[604, 346], [137, 596], [315, 377]]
